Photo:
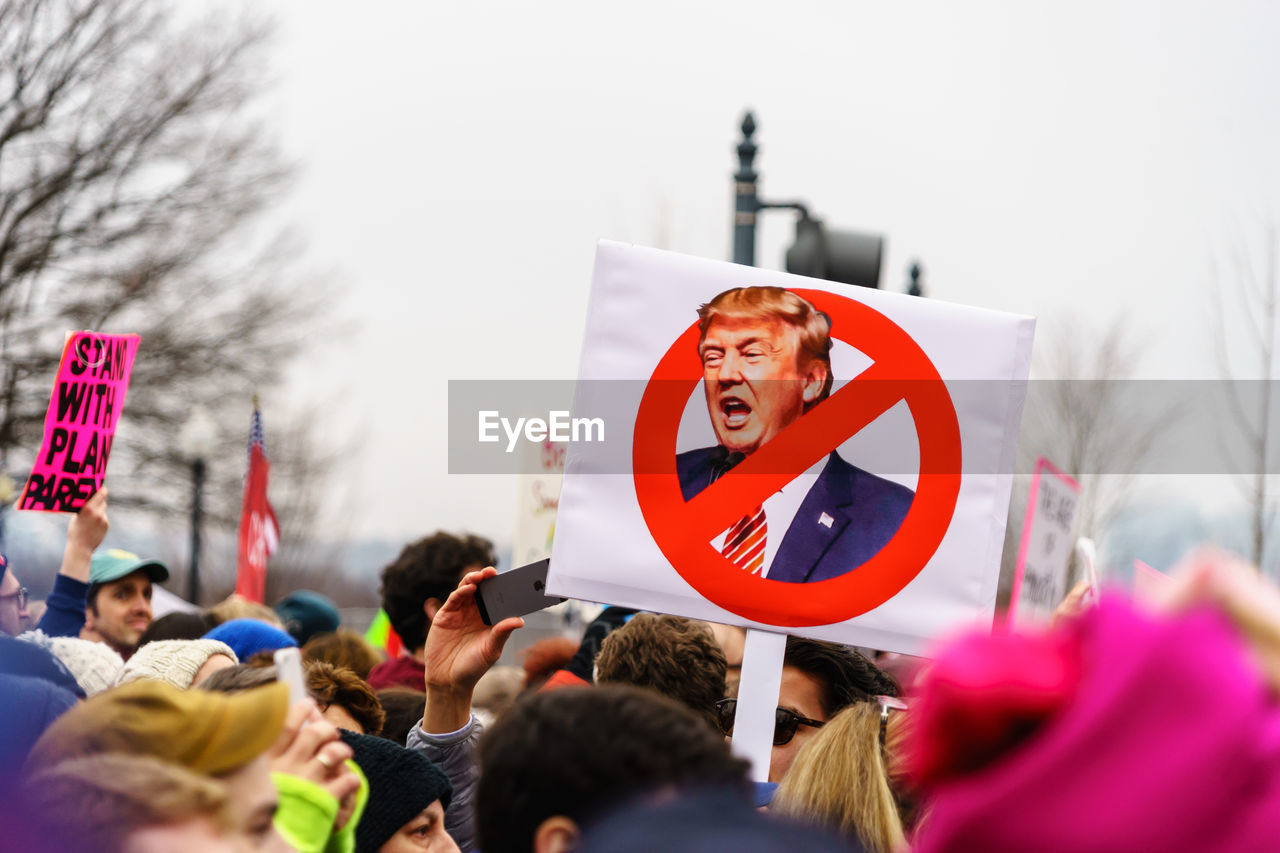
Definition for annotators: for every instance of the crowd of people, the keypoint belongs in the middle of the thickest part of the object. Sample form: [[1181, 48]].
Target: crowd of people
[[1123, 725]]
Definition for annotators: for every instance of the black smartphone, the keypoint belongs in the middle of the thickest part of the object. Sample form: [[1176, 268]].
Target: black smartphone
[[515, 593]]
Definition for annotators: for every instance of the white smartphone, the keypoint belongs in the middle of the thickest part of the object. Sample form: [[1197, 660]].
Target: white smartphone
[[289, 670], [515, 593]]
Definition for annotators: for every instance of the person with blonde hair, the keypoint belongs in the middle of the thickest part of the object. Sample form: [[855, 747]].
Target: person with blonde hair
[[120, 803], [841, 778]]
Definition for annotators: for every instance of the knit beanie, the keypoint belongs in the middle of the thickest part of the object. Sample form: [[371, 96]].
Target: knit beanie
[[95, 665], [306, 613], [402, 782], [29, 659], [247, 637], [174, 662]]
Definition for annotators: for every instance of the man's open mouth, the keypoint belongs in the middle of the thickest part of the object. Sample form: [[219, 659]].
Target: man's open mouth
[[735, 412]]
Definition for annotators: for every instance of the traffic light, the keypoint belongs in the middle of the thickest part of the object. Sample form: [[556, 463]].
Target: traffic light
[[850, 257]]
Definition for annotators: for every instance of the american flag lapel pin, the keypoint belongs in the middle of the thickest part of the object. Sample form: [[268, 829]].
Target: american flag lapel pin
[[825, 520]]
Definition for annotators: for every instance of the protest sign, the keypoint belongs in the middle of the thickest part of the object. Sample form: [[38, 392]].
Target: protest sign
[[1149, 583], [1040, 578], [80, 425], [536, 501], [860, 498]]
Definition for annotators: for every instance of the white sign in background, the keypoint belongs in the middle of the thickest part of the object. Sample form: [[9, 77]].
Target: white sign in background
[[1040, 579], [642, 300], [536, 501]]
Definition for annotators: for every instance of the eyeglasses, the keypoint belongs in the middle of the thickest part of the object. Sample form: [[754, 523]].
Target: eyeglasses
[[887, 704], [785, 722], [21, 595]]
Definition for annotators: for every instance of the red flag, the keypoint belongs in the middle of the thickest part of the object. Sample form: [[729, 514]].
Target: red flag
[[259, 531]]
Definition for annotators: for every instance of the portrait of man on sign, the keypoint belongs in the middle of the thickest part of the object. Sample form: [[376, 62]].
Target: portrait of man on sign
[[766, 361]]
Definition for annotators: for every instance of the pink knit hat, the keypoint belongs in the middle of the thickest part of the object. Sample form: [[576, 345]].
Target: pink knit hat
[[1119, 732]]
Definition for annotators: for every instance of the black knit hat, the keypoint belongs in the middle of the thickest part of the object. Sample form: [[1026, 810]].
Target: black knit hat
[[402, 783]]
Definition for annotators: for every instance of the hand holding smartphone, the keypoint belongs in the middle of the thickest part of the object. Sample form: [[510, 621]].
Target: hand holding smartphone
[[515, 593]]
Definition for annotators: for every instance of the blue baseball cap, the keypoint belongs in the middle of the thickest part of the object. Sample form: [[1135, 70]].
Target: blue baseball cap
[[113, 564]]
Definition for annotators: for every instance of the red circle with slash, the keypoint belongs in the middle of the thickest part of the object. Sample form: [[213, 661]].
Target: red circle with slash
[[683, 531]]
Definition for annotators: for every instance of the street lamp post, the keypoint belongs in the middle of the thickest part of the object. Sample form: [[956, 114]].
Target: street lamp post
[[197, 440], [818, 251], [746, 200]]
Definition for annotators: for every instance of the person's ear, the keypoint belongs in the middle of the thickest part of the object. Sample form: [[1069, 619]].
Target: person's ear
[[430, 607], [815, 378], [556, 834]]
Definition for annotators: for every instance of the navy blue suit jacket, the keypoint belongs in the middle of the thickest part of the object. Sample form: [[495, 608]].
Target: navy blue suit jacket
[[865, 512]]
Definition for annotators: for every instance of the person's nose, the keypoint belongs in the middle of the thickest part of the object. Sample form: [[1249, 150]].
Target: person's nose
[[730, 370]]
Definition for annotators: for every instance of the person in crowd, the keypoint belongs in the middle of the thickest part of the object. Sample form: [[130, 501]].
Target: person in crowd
[[94, 665], [818, 680], [305, 613], [459, 649], [64, 614], [284, 768], [344, 699], [408, 796], [178, 626], [674, 656], [119, 598], [236, 606], [32, 660], [580, 670], [840, 779], [1121, 728], [403, 707], [543, 658], [30, 706], [703, 821], [181, 663], [561, 758], [36, 609], [496, 691], [242, 676], [733, 642], [116, 803], [248, 637], [343, 648], [414, 587]]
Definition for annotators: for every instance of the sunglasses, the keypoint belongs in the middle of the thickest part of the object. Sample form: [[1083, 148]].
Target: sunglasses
[[887, 704], [21, 595], [785, 722]]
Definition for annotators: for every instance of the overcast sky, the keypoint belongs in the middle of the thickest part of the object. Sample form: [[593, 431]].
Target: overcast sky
[[460, 160]]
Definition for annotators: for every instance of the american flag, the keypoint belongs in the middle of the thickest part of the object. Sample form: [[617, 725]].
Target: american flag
[[259, 530]]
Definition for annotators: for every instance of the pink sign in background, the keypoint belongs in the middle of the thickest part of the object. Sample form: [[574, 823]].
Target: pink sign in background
[[1049, 518], [88, 397], [1148, 581]]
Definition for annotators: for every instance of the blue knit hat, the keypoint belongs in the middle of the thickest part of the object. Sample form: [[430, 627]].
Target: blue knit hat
[[247, 637]]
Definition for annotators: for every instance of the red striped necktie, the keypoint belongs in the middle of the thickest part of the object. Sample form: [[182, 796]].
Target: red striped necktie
[[744, 544]]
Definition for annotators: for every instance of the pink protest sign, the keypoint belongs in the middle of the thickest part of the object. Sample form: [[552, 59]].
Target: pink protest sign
[[1148, 581], [88, 396], [1040, 579]]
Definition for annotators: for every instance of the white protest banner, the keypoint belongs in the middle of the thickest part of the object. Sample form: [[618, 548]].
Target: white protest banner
[[536, 501], [826, 461], [1040, 578]]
